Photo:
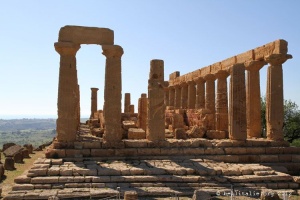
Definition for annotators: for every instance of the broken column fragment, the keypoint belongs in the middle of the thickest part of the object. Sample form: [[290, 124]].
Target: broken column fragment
[[156, 107]]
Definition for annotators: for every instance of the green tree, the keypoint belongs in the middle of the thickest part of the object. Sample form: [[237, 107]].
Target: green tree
[[291, 123]]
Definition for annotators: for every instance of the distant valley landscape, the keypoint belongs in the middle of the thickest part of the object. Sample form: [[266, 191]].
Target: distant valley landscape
[[27, 131]]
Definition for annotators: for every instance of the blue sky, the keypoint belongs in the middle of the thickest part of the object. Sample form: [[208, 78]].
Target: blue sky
[[186, 34]]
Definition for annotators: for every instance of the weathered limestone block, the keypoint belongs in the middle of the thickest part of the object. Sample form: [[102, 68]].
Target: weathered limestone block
[[86, 35], [68, 96], [1, 171], [9, 163], [25, 153], [7, 145], [98, 132], [18, 157], [136, 133], [212, 134], [196, 132], [29, 147], [180, 133], [128, 124], [130, 195], [177, 121], [237, 105], [22, 179], [156, 107]]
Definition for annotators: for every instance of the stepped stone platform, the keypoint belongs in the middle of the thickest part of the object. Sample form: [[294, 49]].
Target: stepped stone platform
[[91, 168]]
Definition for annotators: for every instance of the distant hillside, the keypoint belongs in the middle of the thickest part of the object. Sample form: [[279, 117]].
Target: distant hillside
[[23, 131], [21, 124]]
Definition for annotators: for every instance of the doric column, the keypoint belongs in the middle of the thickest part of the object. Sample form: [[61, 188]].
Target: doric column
[[274, 97], [237, 103], [200, 93], [177, 102], [126, 102], [166, 95], [131, 109], [93, 101], [112, 93], [253, 103], [156, 107], [68, 93], [142, 112], [184, 95], [210, 95], [221, 101], [191, 95], [78, 107], [171, 95]]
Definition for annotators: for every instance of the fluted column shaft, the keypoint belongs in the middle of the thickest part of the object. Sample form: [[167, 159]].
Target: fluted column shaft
[[166, 94], [253, 99], [93, 101], [237, 103], [200, 93], [274, 97], [171, 95], [191, 95], [177, 102], [68, 92], [184, 95], [126, 102], [142, 112], [210, 96], [222, 102], [112, 93]]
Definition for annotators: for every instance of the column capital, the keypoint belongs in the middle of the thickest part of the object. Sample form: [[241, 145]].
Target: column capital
[[209, 77], [222, 74], [166, 85], [191, 82], [199, 80], [254, 65], [183, 83], [177, 86], [277, 59], [112, 51], [94, 89], [66, 48], [230, 71]]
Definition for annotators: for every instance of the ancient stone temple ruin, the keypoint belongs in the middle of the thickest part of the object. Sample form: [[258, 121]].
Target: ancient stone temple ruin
[[201, 130]]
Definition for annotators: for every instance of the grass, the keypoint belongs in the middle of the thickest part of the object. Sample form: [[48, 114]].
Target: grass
[[296, 143], [8, 181]]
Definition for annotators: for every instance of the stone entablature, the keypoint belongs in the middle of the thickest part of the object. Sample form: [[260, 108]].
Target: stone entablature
[[257, 54]]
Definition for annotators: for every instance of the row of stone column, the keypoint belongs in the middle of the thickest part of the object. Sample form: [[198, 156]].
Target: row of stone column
[[244, 98], [68, 92]]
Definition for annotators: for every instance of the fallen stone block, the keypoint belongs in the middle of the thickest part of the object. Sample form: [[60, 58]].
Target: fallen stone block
[[136, 133], [180, 134], [212, 134]]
